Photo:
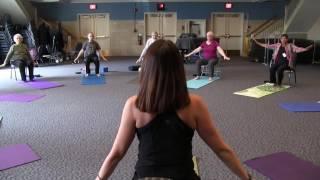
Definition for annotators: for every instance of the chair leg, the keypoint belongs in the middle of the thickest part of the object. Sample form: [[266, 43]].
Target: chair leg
[[289, 77], [15, 73], [295, 77]]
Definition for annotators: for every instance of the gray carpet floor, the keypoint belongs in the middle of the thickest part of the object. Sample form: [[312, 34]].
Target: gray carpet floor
[[73, 127]]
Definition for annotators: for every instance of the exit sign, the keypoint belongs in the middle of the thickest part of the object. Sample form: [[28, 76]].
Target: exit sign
[[92, 6], [228, 5]]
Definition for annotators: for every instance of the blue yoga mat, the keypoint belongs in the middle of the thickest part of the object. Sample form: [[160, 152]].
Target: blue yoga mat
[[93, 80], [196, 84], [301, 107]]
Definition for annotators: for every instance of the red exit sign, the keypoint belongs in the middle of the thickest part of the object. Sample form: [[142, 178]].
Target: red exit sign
[[228, 5], [92, 6]]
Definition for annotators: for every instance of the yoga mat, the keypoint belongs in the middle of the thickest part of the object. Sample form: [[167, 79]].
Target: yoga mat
[[261, 90], [93, 80], [196, 84], [42, 84], [284, 166], [301, 107], [20, 97], [16, 155]]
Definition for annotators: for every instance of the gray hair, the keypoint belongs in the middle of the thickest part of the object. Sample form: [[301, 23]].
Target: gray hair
[[16, 36]]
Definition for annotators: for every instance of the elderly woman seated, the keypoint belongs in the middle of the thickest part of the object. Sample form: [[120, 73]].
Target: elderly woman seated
[[19, 56]]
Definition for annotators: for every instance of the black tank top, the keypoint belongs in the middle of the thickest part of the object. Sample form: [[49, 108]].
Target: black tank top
[[165, 149]]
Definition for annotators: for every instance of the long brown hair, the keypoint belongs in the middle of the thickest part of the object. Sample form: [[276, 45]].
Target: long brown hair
[[162, 80]]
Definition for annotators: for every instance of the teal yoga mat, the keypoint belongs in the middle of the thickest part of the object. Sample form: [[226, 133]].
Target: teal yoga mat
[[203, 81]]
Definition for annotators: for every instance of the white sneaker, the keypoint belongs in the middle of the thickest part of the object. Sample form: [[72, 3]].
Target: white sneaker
[[197, 78], [98, 75], [86, 75], [210, 79]]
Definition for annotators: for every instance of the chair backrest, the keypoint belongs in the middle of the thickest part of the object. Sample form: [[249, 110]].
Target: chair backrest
[[78, 46]]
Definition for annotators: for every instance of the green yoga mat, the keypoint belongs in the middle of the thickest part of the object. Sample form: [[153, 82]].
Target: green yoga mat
[[196, 84], [261, 90]]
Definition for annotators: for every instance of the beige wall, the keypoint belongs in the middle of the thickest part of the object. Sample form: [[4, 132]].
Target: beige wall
[[12, 8], [123, 41], [314, 32]]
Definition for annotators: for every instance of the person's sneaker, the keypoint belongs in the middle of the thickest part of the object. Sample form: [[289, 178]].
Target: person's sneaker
[[98, 75], [86, 75], [210, 79], [197, 78]]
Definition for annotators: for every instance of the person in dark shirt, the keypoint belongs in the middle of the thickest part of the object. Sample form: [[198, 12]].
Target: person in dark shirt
[[20, 57], [91, 51], [164, 116], [283, 55]]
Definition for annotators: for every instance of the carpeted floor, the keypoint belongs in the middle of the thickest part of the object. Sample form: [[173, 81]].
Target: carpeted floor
[[72, 128]]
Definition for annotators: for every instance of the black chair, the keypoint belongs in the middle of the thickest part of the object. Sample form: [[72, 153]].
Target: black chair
[[291, 71]]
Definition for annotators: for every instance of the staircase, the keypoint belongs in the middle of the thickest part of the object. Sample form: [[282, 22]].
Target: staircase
[[4, 45], [300, 17]]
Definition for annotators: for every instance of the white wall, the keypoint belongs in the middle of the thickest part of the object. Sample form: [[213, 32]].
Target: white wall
[[12, 8], [314, 32]]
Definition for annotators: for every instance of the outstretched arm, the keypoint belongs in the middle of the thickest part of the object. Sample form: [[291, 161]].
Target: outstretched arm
[[8, 57], [122, 142], [101, 55], [210, 135], [79, 54], [222, 53], [198, 49], [297, 49], [259, 43], [143, 53]]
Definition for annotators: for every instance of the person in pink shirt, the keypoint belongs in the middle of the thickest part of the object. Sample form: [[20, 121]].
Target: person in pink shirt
[[209, 50], [283, 57]]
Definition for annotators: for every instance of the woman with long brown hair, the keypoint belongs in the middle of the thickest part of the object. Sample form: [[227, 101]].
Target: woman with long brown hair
[[164, 116]]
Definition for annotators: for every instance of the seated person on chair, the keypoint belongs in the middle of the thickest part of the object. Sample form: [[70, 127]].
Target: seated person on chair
[[209, 50], [154, 37], [90, 49], [164, 116], [19, 56], [283, 57]]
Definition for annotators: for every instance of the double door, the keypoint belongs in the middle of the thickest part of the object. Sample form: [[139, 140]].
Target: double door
[[98, 24], [228, 27], [165, 23]]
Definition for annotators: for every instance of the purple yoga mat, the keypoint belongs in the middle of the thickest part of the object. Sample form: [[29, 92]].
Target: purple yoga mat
[[42, 84], [15, 155], [284, 166], [20, 97]]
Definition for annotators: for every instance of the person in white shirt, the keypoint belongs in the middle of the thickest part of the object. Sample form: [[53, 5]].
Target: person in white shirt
[[154, 37]]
